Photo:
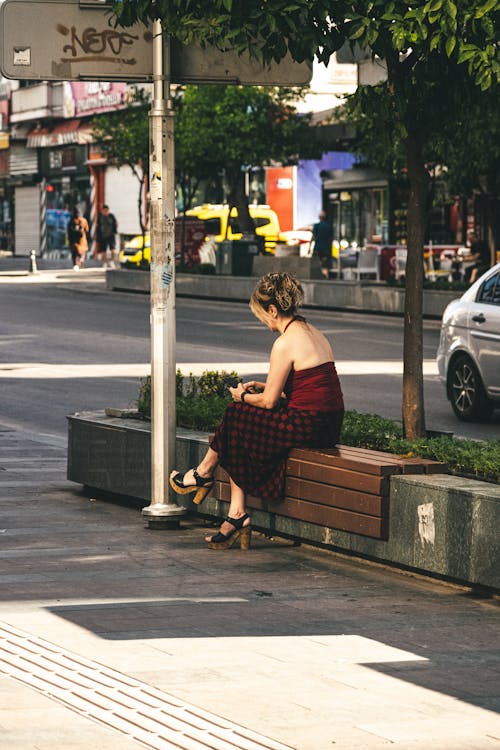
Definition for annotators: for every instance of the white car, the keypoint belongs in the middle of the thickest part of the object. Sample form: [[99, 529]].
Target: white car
[[468, 356]]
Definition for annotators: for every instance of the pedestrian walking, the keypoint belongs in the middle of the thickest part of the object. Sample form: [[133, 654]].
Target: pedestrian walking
[[481, 257], [107, 229], [77, 231], [322, 243], [299, 405]]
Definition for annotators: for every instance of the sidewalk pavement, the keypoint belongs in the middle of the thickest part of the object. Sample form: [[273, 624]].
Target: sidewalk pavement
[[92, 278], [115, 636]]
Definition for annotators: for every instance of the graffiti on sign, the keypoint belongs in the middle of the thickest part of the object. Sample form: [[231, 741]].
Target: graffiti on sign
[[104, 46]]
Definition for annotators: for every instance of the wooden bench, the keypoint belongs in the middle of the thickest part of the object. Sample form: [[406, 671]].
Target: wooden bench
[[341, 488]]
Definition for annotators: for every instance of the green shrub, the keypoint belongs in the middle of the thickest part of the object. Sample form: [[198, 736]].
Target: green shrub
[[200, 401], [480, 460], [144, 400], [441, 285], [201, 413]]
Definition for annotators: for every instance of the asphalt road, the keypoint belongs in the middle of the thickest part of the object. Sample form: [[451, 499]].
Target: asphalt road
[[63, 351]]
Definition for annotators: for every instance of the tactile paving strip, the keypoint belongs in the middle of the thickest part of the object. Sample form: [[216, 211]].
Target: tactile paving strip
[[145, 714]]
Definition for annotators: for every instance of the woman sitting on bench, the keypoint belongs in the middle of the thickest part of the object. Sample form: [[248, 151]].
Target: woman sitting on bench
[[299, 405]]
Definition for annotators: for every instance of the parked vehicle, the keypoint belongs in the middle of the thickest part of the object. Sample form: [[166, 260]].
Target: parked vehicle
[[468, 356], [215, 219]]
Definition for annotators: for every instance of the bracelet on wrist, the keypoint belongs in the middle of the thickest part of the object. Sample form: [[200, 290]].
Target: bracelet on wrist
[[242, 397]]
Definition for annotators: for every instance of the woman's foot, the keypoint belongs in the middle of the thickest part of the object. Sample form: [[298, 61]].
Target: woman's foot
[[191, 481], [230, 531]]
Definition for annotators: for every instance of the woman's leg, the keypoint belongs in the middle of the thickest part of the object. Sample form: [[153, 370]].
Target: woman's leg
[[236, 511], [205, 468], [237, 504]]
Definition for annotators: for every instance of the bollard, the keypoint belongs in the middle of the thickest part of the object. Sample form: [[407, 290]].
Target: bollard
[[33, 268]]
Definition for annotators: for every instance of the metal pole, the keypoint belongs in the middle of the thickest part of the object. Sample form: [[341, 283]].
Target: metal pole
[[163, 510]]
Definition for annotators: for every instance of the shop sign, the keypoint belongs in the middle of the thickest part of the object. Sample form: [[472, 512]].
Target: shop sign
[[4, 140], [92, 97], [43, 140]]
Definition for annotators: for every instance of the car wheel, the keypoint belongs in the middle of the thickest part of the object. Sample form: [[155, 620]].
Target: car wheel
[[466, 391]]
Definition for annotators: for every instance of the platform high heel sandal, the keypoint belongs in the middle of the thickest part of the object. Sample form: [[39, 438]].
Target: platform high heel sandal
[[202, 487], [242, 531]]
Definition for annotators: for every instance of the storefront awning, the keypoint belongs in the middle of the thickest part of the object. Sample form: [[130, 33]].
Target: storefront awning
[[350, 179], [61, 134]]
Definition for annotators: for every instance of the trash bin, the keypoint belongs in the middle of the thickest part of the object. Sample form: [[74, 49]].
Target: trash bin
[[235, 257]]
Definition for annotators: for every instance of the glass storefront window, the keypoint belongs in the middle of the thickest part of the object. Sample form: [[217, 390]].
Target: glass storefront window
[[359, 216]]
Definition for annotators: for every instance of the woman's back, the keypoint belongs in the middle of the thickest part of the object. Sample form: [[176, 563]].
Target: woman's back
[[308, 346]]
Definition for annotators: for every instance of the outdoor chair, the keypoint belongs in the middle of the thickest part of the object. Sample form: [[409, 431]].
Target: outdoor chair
[[368, 264], [401, 255]]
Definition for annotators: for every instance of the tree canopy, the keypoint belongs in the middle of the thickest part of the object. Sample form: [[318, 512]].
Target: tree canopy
[[464, 30], [227, 128]]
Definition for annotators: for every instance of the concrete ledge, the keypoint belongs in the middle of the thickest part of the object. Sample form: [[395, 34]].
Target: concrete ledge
[[304, 268], [442, 525], [128, 281], [361, 296]]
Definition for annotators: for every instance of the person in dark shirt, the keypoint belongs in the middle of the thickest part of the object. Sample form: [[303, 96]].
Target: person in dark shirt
[[106, 233], [480, 254], [323, 238]]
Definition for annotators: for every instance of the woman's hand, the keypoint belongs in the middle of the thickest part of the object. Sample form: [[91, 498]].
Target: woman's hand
[[254, 386], [236, 392]]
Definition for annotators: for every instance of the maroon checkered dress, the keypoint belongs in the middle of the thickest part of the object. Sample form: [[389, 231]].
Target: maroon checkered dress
[[253, 443]]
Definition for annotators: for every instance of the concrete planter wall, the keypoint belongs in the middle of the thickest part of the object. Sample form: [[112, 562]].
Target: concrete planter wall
[[438, 524], [331, 294]]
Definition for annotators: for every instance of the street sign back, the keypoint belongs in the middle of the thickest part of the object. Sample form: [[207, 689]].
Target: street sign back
[[54, 40], [192, 64], [57, 40]]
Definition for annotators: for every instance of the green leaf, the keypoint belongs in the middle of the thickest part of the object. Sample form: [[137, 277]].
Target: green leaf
[[435, 42], [358, 33], [228, 5], [450, 45], [433, 6], [451, 8], [466, 54], [482, 10]]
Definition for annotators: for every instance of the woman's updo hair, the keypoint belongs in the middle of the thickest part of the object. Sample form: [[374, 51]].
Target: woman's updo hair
[[280, 289]]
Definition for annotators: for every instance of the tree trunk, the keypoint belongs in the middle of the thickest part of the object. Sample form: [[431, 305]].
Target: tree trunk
[[413, 379], [239, 199]]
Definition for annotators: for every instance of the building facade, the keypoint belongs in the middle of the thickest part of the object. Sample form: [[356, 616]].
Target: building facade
[[53, 164]]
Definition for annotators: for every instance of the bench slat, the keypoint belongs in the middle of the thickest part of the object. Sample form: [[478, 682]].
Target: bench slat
[[321, 515], [355, 480], [335, 518], [409, 464], [335, 497], [345, 460]]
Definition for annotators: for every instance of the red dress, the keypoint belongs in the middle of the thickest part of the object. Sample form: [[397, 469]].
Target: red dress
[[253, 443]]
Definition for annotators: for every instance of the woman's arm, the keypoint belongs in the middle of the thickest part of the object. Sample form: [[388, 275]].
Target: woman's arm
[[280, 365], [252, 386]]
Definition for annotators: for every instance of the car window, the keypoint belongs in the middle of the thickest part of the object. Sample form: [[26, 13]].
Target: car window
[[212, 226], [489, 293]]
